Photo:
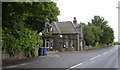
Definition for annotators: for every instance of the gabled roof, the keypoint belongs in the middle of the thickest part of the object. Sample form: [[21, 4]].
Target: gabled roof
[[66, 27], [55, 27]]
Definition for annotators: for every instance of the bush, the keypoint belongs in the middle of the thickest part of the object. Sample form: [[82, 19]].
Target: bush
[[14, 41], [97, 44]]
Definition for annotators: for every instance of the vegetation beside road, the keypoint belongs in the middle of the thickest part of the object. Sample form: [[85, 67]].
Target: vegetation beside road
[[98, 32], [22, 22]]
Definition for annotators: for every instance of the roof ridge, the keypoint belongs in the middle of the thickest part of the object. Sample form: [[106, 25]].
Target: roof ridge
[[64, 21], [74, 27], [56, 26]]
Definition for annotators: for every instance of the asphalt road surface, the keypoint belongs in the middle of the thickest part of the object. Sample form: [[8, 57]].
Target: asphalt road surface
[[108, 59], [96, 59]]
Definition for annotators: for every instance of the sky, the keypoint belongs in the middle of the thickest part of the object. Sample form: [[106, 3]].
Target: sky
[[85, 10]]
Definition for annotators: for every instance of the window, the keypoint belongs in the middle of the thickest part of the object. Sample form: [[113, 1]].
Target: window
[[51, 44], [47, 44]]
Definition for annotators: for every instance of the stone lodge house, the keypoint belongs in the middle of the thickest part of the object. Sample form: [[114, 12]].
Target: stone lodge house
[[63, 36]]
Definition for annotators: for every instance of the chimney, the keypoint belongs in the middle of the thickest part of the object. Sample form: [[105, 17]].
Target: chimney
[[75, 21]]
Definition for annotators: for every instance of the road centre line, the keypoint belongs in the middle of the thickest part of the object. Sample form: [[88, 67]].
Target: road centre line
[[92, 61], [82, 63], [76, 65], [98, 56], [89, 59], [105, 52], [110, 50], [95, 57]]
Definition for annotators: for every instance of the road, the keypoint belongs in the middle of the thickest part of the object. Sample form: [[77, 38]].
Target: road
[[108, 59], [101, 58]]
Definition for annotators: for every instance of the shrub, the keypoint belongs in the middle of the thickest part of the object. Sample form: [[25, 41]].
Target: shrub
[[14, 41]]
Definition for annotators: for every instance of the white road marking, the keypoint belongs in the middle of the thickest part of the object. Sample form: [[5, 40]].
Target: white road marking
[[76, 65], [105, 52], [93, 58], [98, 56], [110, 50], [92, 61], [82, 63]]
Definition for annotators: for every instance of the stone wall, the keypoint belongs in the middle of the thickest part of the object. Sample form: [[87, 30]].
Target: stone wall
[[88, 47], [5, 56], [20, 55]]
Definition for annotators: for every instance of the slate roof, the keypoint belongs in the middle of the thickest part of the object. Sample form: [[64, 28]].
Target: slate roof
[[66, 27]]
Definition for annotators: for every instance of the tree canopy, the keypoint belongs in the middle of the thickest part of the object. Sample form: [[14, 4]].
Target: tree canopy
[[22, 21], [88, 35], [32, 13], [98, 32]]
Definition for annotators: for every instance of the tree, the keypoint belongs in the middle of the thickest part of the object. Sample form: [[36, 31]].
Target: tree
[[88, 35], [33, 13], [14, 12], [99, 21], [97, 34], [107, 34], [41, 11], [22, 21]]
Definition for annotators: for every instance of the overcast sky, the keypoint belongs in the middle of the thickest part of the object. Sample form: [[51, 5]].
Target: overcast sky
[[85, 10]]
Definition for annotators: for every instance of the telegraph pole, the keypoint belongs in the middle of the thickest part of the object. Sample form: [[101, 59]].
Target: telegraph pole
[[118, 21]]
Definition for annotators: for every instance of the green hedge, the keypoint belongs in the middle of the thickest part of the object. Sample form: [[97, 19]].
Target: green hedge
[[16, 40]]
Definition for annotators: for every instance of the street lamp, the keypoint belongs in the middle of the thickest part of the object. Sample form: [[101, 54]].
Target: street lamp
[[61, 36], [40, 33]]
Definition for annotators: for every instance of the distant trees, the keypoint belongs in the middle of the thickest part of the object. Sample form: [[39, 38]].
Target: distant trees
[[98, 32]]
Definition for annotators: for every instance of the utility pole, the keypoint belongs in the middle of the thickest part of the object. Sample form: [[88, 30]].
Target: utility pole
[[81, 35], [118, 21]]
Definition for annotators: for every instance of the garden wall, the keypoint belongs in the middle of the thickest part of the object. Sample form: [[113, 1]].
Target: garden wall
[[20, 55]]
